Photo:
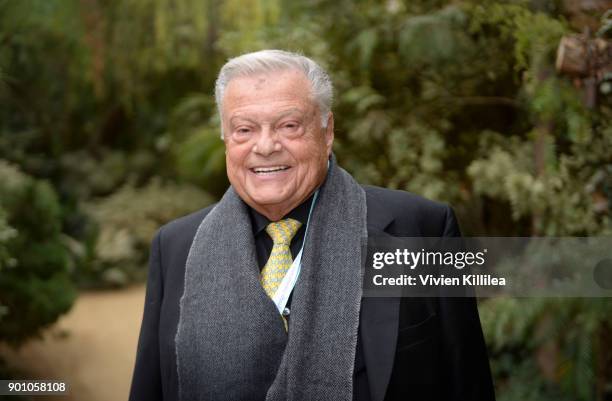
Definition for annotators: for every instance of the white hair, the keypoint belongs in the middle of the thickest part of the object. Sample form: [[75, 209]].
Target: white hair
[[266, 61]]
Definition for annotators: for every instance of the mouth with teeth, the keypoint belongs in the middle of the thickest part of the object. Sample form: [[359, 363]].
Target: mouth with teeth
[[269, 170]]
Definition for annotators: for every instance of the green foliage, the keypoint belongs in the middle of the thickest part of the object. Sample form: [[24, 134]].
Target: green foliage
[[127, 221], [6, 259], [86, 176], [6, 234], [435, 38], [193, 140], [35, 284], [201, 159], [563, 335]]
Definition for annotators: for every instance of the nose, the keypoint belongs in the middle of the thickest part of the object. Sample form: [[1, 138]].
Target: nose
[[267, 142]]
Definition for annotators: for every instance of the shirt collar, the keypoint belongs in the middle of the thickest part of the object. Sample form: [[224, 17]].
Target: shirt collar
[[300, 213]]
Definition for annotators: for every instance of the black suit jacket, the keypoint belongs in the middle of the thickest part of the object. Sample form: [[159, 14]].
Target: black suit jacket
[[413, 348]]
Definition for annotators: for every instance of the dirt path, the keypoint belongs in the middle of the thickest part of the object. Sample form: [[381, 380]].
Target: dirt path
[[92, 347]]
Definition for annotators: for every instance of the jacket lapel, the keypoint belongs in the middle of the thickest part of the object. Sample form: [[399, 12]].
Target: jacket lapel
[[379, 316]]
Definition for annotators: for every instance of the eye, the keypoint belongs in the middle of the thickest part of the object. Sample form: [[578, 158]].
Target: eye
[[243, 130], [242, 133], [290, 126]]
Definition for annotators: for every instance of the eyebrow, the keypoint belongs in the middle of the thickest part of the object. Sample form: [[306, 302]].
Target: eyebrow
[[291, 111], [240, 117], [282, 115]]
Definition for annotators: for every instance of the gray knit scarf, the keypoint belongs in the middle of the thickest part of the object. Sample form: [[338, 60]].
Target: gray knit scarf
[[230, 342]]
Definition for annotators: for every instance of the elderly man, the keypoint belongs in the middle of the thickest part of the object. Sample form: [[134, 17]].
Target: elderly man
[[259, 297]]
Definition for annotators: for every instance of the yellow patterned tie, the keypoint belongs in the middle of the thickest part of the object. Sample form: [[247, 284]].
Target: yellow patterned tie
[[281, 232]]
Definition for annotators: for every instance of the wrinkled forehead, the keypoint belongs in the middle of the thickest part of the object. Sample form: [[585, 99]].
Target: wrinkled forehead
[[285, 86], [278, 80]]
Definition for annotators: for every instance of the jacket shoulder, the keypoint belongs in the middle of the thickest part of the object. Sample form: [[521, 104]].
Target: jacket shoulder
[[183, 228], [175, 238], [410, 213], [403, 201]]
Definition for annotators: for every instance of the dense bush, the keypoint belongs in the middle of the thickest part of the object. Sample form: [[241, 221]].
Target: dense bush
[[6, 259], [127, 221], [35, 282]]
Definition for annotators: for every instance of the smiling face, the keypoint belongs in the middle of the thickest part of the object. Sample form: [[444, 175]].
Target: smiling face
[[276, 149]]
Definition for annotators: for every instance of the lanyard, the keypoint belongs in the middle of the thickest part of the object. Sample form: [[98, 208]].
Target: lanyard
[[281, 296]]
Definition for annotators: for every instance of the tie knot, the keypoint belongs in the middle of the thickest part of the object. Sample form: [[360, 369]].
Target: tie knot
[[283, 231]]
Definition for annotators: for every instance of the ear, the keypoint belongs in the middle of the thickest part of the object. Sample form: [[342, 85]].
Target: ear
[[329, 133]]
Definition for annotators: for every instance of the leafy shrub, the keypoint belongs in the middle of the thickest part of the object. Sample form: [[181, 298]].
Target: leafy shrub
[[35, 283], [127, 221], [548, 348], [194, 143]]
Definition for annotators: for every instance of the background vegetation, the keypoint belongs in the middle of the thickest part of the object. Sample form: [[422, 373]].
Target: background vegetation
[[108, 129]]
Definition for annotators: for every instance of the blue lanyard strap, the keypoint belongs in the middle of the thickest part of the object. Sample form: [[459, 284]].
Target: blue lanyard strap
[[281, 297]]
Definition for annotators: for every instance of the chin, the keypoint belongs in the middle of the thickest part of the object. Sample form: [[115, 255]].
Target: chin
[[270, 194], [269, 200]]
